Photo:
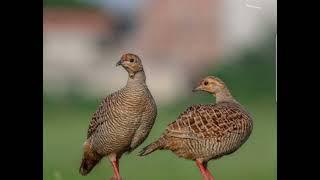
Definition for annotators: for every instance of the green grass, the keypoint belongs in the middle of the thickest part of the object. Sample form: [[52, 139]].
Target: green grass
[[65, 126], [65, 3]]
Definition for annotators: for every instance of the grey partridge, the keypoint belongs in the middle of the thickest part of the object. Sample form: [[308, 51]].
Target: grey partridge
[[209, 131], [122, 121]]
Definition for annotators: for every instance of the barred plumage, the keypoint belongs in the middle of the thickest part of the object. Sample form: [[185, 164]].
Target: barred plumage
[[210, 130], [124, 118], [205, 132]]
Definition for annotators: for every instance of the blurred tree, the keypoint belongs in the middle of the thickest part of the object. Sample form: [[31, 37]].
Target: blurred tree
[[64, 3]]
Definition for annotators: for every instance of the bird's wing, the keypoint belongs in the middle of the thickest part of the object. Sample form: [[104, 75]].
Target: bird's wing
[[207, 121], [101, 114]]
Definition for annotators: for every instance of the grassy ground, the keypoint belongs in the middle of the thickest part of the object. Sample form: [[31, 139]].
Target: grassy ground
[[66, 124]]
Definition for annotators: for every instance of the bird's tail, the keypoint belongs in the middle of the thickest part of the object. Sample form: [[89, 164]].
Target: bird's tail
[[89, 160], [152, 147]]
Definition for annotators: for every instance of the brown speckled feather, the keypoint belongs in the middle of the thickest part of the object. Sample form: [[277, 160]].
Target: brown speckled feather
[[123, 120], [98, 118], [208, 131], [209, 121], [101, 114]]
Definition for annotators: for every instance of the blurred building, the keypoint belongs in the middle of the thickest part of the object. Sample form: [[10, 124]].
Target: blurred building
[[185, 32]]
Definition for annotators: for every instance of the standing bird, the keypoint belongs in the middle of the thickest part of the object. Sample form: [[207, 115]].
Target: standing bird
[[122, 121], [206, 132]]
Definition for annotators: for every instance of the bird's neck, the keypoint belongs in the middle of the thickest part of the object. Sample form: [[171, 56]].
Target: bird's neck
[[224, 95], [138, 78]]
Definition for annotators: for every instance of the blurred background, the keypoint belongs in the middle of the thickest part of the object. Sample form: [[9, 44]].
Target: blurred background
[[179, 42]]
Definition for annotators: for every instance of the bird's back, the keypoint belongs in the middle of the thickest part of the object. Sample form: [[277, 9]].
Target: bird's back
[[208, 131]]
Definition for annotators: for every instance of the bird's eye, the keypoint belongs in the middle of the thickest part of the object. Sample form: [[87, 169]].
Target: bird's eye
[[131, 60], [205, 83]]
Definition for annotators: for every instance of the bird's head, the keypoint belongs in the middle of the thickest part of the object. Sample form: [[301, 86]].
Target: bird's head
[[210, 84], [131, 63]]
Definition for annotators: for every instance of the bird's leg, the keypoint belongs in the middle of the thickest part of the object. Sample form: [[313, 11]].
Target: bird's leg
[[116, 172], [209, 175], [115, 164], [204, 171]]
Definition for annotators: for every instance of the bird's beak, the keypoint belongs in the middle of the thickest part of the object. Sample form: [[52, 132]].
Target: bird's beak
[[119, 63], [196, 89]]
